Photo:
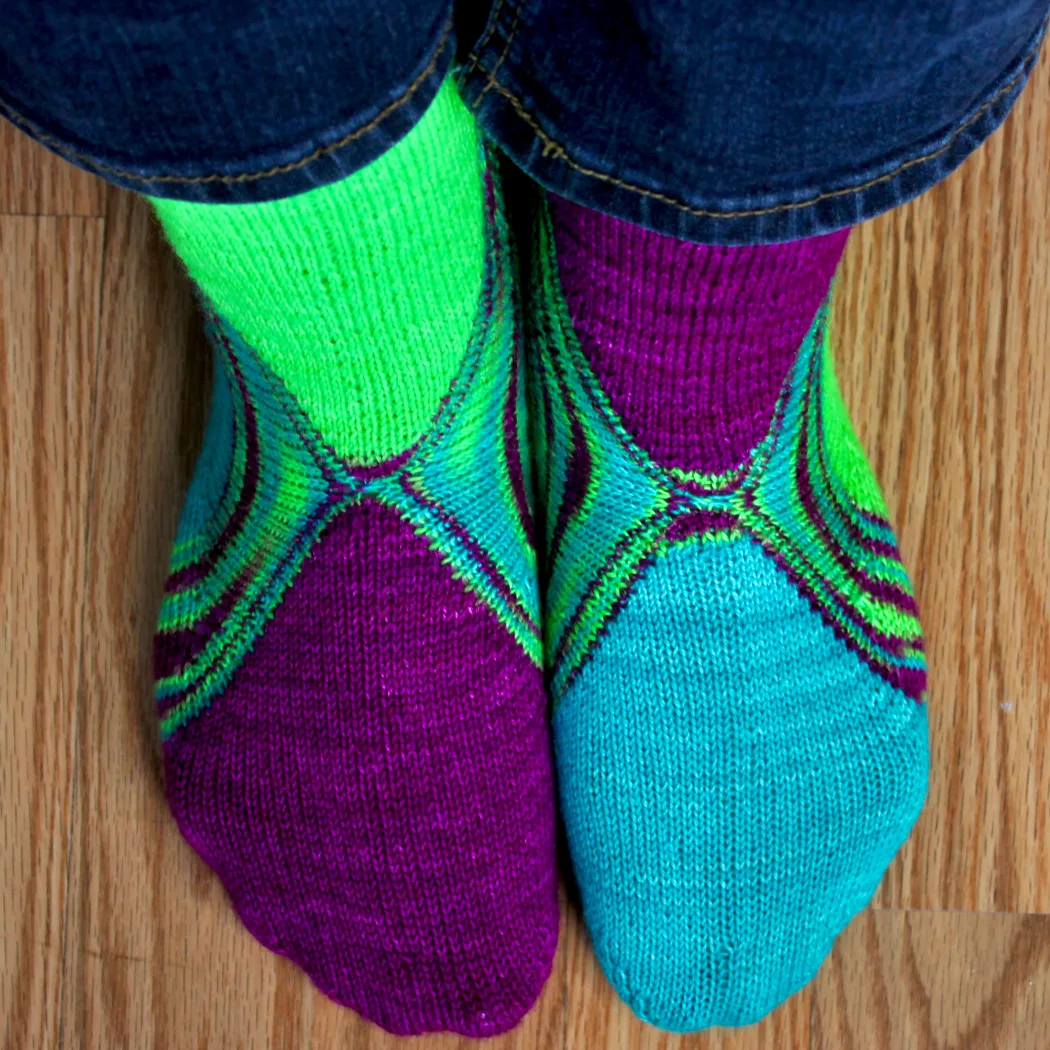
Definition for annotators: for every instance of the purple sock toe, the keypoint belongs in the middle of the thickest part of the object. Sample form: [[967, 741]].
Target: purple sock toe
[[373, 788]]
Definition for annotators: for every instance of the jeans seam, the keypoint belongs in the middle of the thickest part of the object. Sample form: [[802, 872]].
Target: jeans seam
[[280, 169], [475, 52], [553, 148], [491, 81]]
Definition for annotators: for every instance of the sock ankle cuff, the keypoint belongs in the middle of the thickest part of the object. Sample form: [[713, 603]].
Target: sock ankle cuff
[[691, 342], [360, 295]]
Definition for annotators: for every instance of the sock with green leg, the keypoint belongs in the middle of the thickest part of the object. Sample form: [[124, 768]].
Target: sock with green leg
[[347, 660]]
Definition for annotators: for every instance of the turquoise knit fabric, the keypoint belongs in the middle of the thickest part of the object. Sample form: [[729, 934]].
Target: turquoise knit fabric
[[730, 803]]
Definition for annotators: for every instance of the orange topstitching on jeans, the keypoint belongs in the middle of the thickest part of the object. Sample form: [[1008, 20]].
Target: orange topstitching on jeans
[[552, 148]]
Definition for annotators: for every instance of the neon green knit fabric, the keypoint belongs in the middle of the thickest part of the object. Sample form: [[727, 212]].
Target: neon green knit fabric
[[845, 451], [360, 295]]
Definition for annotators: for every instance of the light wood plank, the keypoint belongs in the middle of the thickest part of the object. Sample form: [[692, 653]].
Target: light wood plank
[[936, 981], [160, 962], [943, 345], [49, 308], [35, 181]]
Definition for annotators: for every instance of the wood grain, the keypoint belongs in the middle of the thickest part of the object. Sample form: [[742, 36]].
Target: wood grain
[[938, 980], [942, 318], [35, 182], [49, 309], [113, 934]]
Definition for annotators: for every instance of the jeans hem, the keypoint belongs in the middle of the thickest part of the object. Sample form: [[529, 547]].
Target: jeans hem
[[827, 202], [325, 156]]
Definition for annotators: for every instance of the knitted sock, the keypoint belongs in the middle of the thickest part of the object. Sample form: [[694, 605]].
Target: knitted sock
[[347, 660], [734, 651]]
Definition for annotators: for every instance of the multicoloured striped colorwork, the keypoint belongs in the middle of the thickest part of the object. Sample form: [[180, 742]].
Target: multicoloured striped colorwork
[[694, 616], [267, 485], [350, 692], [797, 493]]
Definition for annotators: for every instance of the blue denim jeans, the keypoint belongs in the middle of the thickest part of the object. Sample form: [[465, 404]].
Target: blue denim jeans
[[725, 121]]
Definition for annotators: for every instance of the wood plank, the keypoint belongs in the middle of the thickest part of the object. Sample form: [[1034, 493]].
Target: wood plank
[[159, 956], [942, 322], [936, 981], [35, 181], [49, 308]]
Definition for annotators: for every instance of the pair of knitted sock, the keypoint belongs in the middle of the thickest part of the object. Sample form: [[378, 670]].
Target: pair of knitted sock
[[351, 651]]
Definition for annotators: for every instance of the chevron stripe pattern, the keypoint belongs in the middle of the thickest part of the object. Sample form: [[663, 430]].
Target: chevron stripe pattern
[[611, 508], [267, 485]]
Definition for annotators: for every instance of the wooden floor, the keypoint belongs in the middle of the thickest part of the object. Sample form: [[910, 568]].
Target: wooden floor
[[113, 934]]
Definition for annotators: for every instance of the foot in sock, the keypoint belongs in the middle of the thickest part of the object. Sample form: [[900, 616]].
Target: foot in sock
[[347, 659], [735, 657]]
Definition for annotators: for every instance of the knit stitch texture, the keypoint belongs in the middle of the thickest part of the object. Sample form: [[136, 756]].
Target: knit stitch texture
[[347, 664], [379, 274], [732, 643]]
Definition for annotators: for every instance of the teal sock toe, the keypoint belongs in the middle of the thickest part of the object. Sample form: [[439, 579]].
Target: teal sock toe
[[730, 804]]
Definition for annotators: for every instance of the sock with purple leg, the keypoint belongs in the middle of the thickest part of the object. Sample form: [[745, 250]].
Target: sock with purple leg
[[733, 647]]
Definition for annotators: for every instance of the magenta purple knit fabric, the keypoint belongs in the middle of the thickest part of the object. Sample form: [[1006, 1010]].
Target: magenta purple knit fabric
[[374, 788], [691, 342]]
